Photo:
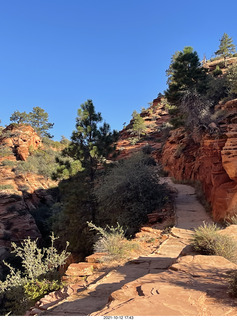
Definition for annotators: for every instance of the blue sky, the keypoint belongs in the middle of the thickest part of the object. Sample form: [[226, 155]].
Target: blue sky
[[56, 54]]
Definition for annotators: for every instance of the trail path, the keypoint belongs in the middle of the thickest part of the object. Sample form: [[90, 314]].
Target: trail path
[[159, 284]]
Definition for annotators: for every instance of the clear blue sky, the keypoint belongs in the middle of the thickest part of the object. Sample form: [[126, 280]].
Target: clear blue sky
[[56, 54]]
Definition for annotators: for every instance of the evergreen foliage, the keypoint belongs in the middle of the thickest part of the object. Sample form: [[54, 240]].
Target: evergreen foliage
[[38, 119], [70, 216], [41, 162], [187, 74], [138, 127], [19, 117], [226, 47], [232, 79], [90, 144], [170, 71], [217, 88]]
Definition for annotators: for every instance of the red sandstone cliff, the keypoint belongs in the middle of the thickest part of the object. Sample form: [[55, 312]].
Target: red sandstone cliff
[[210, 159], [19, 193]]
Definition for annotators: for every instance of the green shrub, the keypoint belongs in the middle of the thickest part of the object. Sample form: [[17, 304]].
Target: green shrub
[[232, 79], [20, 289], [36, 289], [66, 168], [217, 89], [112, 241], [208, 241], [128, 192], [42, 162], [217, 71], [133, 141], [5, 151], [6, 186], [54, 144], [8, 163]]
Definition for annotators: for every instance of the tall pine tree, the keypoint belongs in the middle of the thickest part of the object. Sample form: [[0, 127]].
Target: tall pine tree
[[90, 144], [186, 73], [226, 47]]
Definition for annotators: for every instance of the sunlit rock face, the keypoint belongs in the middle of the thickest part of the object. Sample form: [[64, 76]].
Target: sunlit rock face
[[20, 138], [210, 159], [19, 193]]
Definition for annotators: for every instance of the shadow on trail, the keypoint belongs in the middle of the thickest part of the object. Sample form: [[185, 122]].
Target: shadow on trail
[[91, 300], [147, 270]]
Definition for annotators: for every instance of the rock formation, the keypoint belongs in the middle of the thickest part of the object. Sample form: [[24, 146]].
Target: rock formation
[[210, 159], [19, 193], [20, 138]]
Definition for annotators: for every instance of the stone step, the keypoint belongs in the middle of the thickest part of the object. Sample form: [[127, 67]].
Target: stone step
[[95, 257], [80, 269]]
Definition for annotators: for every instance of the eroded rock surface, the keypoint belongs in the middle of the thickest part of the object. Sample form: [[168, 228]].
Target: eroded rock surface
[[20, 138], [19, 193], [209, 159]]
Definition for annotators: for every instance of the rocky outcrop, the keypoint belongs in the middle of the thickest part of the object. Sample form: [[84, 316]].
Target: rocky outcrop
[[19, 193], [20, 138], [210, 159], [154, 117]]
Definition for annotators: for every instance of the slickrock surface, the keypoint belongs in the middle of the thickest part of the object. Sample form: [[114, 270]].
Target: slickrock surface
[[172, 281]]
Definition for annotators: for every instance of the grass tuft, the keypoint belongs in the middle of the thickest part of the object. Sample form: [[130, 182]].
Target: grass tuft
[[207, 240]]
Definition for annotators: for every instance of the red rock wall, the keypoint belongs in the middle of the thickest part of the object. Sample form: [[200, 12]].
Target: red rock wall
[[211, 161], [20, 138]]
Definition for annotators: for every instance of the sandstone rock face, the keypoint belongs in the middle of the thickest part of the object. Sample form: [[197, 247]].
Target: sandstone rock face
[[19, 193], [208, 159], [20, 138], [153, 117]]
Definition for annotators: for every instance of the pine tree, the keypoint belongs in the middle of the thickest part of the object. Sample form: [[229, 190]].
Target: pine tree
[[226, 47], [232, 79], [19, 117], [169, 72], [89, 144], [138, 124], [187, 74], [38, 119]]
